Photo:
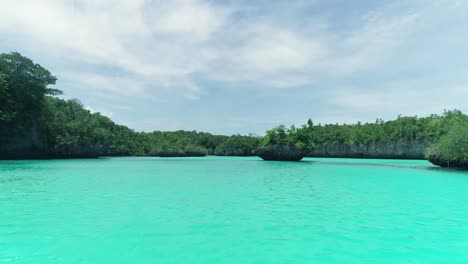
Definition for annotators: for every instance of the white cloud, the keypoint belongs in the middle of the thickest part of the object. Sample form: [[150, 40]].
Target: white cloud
[[196, 19], [102, 112], [128, 34], [117, 85], [148, 48], [273, 50], [172, 40], [390, 100]]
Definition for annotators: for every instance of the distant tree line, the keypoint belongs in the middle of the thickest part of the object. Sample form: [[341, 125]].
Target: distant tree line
[[35, 123], [446, 136], [404, 129]]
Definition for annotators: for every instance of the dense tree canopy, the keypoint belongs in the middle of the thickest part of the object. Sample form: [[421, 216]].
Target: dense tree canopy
[[23, 87], [33, 120], [452, 148], [403, 129], [4, 113], [396, 135], [63, 128], [300, 138]]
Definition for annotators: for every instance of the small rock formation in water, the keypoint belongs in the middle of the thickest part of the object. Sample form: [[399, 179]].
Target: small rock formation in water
[[451, 151], [448, 163], [281, 152]]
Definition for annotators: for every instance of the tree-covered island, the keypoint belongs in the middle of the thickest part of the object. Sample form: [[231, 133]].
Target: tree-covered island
[[35, 123]]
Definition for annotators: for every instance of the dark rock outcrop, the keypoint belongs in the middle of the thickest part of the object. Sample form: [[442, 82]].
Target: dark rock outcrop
[[283, 152], [179, 153], [23, 145], [233, 151], [447, 163], [31, 145], [76, 150]]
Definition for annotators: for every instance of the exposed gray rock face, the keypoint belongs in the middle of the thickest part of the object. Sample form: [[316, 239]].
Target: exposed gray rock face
[[281, 153], [30, 145], [384, 150], [75, 150]]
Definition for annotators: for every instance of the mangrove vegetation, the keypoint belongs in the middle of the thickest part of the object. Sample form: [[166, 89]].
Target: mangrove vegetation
[[36, 123]]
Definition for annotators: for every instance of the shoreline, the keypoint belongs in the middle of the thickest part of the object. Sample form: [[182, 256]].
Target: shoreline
[[166, 157]]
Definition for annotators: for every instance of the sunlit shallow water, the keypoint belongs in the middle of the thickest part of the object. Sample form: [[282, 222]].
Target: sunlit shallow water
[[232, 210]]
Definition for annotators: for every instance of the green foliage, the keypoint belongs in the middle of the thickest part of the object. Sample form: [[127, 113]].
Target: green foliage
[[4, 98], [300, 137], [238, 145], [67, 129], [277, 135], [402, 131], [67, 125], [24, 86], [452, 148], [3, 85]]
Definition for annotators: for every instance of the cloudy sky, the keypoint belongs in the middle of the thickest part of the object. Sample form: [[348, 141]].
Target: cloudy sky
[[245, 66]]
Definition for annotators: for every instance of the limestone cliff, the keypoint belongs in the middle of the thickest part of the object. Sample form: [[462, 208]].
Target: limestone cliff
[[30, 144], [384, 150]]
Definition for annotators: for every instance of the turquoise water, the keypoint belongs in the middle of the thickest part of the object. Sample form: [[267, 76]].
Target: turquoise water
[[231, 210]]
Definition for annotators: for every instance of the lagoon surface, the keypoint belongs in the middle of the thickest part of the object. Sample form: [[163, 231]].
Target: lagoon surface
[[232, 210]]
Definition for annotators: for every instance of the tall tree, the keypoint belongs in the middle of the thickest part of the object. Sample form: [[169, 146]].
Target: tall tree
[[23, 86]]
